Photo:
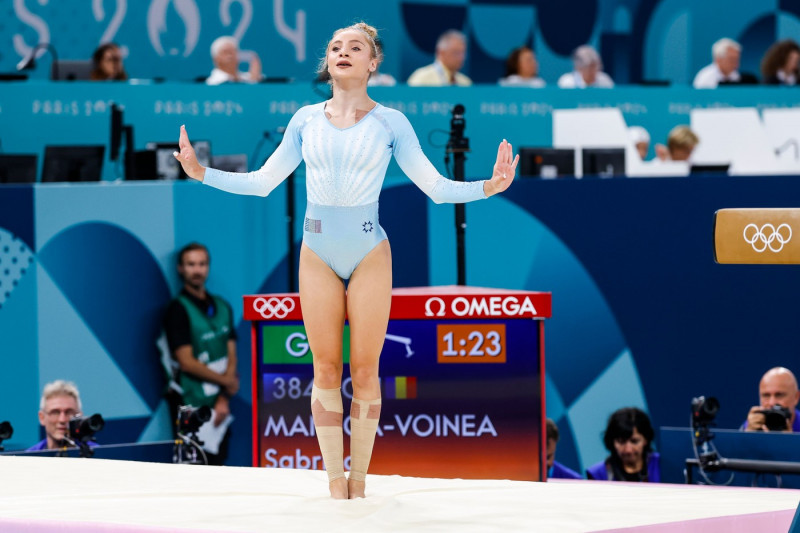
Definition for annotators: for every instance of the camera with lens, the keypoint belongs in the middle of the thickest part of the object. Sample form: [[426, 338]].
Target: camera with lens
[[82, 429], [704, 410], [457, 141], [191, 418], [776, 417]]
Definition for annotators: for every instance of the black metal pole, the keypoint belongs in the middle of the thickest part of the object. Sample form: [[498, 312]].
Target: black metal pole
[[458, 145], [461, 222], [291, 275]]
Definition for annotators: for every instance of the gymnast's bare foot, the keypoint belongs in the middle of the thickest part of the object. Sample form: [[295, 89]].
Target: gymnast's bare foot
[[338, 489], [355, 489]]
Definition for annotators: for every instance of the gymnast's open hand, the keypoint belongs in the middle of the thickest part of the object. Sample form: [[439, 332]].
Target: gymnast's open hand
[[187, 158], [504, 169]]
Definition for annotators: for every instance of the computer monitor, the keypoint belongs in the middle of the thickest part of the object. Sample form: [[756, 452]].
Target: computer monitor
[[18, 168], [603, 162], [71, 70], [712, 169], [13, 76], [540, 162], [168, 168], [230, 162], [73, 163], [655, 83], [140, 165]]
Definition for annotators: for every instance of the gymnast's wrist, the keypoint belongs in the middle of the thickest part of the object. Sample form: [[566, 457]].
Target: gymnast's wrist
[[199, 174], [489, 188]]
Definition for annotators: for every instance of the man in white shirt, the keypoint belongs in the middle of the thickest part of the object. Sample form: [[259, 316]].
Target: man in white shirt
[[726, 54], [588, 71], [225, 54], [451, 50]]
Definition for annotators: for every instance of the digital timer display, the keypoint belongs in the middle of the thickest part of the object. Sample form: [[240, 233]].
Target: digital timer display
[[475, 343]]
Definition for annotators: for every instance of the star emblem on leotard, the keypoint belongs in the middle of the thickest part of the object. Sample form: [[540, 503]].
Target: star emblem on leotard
[[366, 226]]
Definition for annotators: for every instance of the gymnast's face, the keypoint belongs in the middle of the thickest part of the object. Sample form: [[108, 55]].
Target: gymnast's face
[[350, 56]]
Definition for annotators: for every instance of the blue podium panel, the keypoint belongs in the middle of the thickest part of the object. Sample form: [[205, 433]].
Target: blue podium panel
[[676, 447]]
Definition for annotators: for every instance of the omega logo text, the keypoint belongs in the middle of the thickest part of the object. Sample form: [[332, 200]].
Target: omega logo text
[[481, 306]]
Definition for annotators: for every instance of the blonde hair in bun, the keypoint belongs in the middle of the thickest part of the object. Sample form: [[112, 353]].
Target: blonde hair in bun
[[372, 38]]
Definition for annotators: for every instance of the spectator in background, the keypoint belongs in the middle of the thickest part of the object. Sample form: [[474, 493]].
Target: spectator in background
[[451, 50], [726, 54], [681, 142], [60, 402], [107, 64], [225, 54], [778, 387], [588, 71], [554, 468], [628, 437], [522, 69], [780, 64], [640, 139]]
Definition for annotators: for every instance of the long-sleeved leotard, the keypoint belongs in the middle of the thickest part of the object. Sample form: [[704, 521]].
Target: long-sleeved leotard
[[345, 169]]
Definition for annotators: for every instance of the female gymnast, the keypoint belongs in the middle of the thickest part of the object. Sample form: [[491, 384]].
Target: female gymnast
[[347, 143]]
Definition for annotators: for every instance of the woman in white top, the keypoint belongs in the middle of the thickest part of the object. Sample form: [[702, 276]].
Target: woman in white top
[[347, 143], [522, 69]]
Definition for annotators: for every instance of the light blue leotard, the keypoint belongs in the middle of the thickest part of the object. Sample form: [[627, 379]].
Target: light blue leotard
[[345, 168]]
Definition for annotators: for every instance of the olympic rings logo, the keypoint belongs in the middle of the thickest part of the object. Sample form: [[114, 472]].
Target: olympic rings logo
[[767, 236], [273, 307]]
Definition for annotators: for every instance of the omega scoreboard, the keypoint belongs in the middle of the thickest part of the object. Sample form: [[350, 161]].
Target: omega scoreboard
[[462, 383]]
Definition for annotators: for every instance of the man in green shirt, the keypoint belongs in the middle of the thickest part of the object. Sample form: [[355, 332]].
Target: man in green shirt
[[202, 340]]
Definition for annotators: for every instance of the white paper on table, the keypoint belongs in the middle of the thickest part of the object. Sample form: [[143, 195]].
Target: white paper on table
[[212, 435], [220, 366]]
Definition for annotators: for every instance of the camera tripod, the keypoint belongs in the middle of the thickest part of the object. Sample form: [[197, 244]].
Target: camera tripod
[[189, 450]]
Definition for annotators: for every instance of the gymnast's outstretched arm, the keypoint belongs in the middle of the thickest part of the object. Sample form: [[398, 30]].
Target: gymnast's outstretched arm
[[419, 169], [258, 183]]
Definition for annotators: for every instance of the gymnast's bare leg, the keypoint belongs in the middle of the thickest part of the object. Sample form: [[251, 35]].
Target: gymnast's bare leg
[[322, 298], [369, 297]]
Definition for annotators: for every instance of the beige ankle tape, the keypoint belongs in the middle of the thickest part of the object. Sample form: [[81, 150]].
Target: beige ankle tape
[[364, 416], [327, 409]]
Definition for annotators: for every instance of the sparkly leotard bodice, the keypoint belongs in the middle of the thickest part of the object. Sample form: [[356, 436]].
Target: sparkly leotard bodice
[[346, 166]]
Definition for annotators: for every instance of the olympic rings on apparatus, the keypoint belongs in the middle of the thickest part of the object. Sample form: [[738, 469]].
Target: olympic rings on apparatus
[[767, 236], [273, 307]]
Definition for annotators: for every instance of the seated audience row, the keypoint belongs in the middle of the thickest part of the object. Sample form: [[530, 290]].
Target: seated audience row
[[778, 67], [681, 142]]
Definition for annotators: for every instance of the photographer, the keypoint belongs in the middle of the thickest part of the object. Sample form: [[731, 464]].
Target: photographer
[[777, 411], [202, 340], [60, 402]]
